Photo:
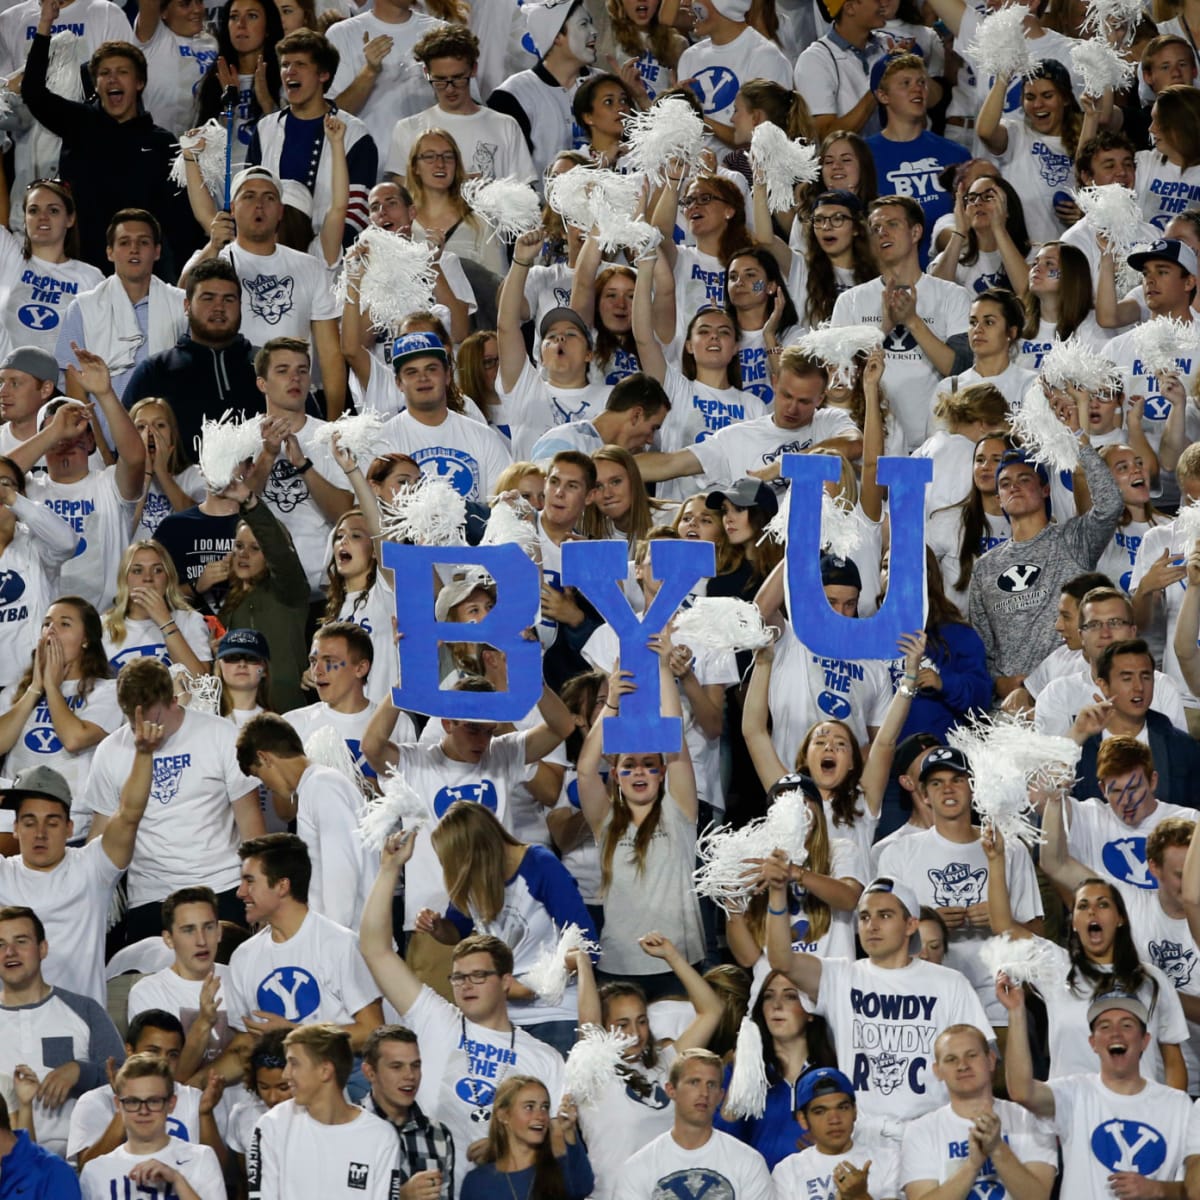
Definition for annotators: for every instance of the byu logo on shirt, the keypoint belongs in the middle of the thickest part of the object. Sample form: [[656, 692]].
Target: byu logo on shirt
[[694, 1183], [483, 793], [176, 1128], [37, 316], [898, 340], [270, 297], [289, 992], [12, 587], [957, 886], [834, 706], [1129, 1146], [1174, 961], [1125, 859], [456, 467], [168, 771], [887, 1072], [157, 650], [656, 1099], [286, 489], [1019, 577], [716, 86]]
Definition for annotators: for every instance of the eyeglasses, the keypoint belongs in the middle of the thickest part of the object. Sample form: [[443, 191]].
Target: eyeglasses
[[461, 978], [831, 221], [440, 83], [432, 156], [702, 198], [149, 1103], [980, 197], [1111, 623]]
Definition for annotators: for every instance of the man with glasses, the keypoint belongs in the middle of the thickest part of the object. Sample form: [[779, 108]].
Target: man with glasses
[[470, 1046], [491, 142], [1105, 616], [152, 1160]]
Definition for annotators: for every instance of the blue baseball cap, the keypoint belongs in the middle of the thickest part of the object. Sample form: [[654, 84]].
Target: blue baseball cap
[[248, 642], [821, 1081], [418, 345]]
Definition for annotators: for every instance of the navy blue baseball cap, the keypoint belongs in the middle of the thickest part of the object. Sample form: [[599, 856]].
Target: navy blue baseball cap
[[417, 345], [821, 1081], [247, 642], [839, 572], [945, 758]]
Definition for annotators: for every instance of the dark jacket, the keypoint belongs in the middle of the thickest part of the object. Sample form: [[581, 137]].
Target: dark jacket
[[1176, 759], [32, 1173], [110, 165], [199, 382]]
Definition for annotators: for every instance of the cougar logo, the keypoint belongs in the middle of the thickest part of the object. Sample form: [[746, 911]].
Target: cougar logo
[[289, 992], [1173, 961], [957, 886], [887, 1072], [270, 297], [167, 774], [483, 162], [657, 1099], [1020, 577], [285, 490]]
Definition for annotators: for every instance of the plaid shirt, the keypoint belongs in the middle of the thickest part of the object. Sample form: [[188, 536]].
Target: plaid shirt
[[425, 1145]]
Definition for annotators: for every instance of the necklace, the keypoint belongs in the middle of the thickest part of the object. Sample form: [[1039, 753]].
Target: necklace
[[481, 1086]]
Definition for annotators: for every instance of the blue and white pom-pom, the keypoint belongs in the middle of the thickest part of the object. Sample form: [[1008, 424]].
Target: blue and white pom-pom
[[1007, 758], [396, 807], [429, 513], [1000, 46], [398, 278], [327, 748], [746, 1095], [594, 1062], [781, 164], [1161, 342], [224, 446], [210, 158], [508, 206], [549, 975], [670, 131], [357, 433], [722, 623], [1100, 67], [1024, 960], [1114, 213], [840, 347]]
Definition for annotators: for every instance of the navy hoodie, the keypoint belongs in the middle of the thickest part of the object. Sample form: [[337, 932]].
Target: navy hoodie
[[31, 1173]]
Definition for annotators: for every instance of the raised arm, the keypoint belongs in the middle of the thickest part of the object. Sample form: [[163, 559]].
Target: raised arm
[[508, 310], [594, 801], [769, 767], [583, 285], [120, 832], [396, 980], [1190, 893], [333, 227], [878, 768], [1023, 1088], [650, 351], [804, 970], [666, 211], [93, 376], [871, 496], [988, 124], [1066, 872], [1000, 914], [557, 725], [681, 775], [703, 998]]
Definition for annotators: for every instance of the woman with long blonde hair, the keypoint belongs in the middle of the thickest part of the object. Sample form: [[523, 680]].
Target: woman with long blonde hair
[[151, 616], [519, 893], [172, 483]]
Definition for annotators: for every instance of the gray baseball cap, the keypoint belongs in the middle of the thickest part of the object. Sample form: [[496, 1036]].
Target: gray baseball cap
[[33, 360], [44, 783]]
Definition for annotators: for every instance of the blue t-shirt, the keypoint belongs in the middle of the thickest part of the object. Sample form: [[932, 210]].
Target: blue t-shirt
[[912, 169]]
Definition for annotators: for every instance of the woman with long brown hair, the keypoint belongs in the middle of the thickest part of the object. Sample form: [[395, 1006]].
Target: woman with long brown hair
[[538, 1157], [652, 48], [477, 363], [1058, 303], [622, 507]]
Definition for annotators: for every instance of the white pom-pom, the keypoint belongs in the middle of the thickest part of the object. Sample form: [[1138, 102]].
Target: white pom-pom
[[1160, 342], [1100, 67], [722, 623], [203, 691], [396, 807], [746, 1095], [512, 522], [508, 206], [549, 976], [787, 824], [841, 532], [615, 232], [569, 195], [62, 73], [1104, 18], [1008, 758], [724, 876], [1024, 960], [1114, 213], [429, 513], [1186, 527], [398, 279], [669, 131], [1000, 46], [839, 348], [357, 433], [224, 446], [1073, 362], [327, 748], [1046, 439], [210, 160], [782, 164], [594, 1062]]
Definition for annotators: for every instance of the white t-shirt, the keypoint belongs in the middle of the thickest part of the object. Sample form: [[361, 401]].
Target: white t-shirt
[[947, 874], [1102, 1132], [316, 975], [884, 1024], [34, 294], [909, 378], [1104, 843], [38, 745], [1040, 168], [491, 143], [717, 72], [188, 834], [534, 406], [936, 1145], [464, 1063], [94, 1110], [144, 639], [96, 511], [106, 1176], [467, 453], [282, 293], [943, 535], [1121, 553], [157, 506], [1163, 188], [174, 994], [1158, 539], [722, 1167], [72, 901], [373, 611], [176, 66], [699, 282], [306, 721], [400, 87], [810, 1173], [1031, 351], [293, 1155], [92, 22]]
